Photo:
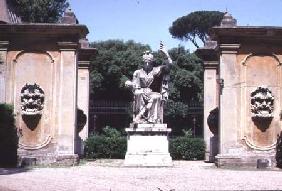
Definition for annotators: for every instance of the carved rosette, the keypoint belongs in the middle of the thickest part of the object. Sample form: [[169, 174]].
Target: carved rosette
[[262, 103], [32, 99]]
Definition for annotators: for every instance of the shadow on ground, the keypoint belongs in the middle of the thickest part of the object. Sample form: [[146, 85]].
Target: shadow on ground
[[8, 171]]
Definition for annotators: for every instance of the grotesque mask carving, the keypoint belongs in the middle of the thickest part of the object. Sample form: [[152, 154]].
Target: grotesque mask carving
[[262, 103], [32, 99]]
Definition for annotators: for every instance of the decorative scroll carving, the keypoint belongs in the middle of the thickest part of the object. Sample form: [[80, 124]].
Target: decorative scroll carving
[[44, 143], [32, 99], [262, 103]]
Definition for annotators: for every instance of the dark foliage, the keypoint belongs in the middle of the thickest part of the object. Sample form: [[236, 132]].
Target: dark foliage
[[278, 155], [40, 11], [110, 144], [8, 137], [195, 24], [187, 148], [114, 64]]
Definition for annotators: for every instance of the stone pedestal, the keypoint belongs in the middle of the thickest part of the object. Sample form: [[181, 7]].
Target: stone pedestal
[[147, 146], [213, 148], [246, 160], [44, 159]]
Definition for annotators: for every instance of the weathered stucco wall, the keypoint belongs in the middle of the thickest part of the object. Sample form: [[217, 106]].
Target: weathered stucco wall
[[48, 56]]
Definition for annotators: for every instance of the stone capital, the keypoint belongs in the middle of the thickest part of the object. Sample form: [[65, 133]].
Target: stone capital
[[4, 45], [83, 64], [68, 46], [229, 48], [211, 65]]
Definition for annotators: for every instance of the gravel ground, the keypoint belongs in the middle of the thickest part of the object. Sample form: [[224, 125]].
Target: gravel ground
[[110, 175]]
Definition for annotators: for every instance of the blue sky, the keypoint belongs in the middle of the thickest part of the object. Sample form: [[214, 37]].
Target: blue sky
[[147, 21]]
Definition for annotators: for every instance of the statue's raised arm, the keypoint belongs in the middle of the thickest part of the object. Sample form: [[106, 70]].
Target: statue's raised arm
[[164, 51]]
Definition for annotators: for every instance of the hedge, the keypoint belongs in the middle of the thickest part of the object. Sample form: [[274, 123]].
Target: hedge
[[187, 148], [8, 137], [111, 144], [278, 155]]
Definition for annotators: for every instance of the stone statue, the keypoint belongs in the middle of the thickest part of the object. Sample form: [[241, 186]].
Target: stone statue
[[150, 89], [32, 99]]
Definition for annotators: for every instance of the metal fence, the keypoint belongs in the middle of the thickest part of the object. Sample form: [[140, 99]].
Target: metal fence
[[117, 114], [124, 107]]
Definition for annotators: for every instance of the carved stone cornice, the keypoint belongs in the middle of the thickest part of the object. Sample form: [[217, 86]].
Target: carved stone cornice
[[208, 52], [85, 54], [238, 34], [46, 28]]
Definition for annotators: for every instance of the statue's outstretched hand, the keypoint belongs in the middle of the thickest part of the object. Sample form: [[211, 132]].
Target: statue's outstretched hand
[[164, 51], [129, 84], [162, 48]]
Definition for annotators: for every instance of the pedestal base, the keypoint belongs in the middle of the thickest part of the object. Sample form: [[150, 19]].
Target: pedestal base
[[245, 161], [213, 148], [48, 160], [147, 146]]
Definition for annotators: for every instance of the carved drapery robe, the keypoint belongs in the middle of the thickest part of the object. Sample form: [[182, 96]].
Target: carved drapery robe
[[150, 91]]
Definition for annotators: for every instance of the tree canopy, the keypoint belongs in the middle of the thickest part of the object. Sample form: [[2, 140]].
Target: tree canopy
[[115, 63], [40, 11], [195, 25]]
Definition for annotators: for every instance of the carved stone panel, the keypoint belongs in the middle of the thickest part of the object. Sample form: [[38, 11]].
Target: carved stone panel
[[33, 97], [260, 98]]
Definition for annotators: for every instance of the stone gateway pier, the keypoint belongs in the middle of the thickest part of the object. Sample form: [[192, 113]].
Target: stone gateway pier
[[242, 93], [40, 69]]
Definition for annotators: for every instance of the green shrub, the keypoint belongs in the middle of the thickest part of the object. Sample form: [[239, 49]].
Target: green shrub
[[187, 148], [110, 144], [8, 137], [278, 155]]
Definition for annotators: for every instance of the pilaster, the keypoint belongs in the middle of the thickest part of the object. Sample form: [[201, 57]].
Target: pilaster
[[83, 94], [211, 95], [67, 99], [230, 92], [3, 68]]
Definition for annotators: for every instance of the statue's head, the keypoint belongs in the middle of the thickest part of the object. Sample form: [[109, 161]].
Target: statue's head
[[262, 102], [148, 59], [32, 99]]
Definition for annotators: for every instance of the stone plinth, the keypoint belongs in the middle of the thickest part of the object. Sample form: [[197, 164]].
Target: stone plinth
[[213, 148], [147, 146], [250, 160], [48, 160]]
